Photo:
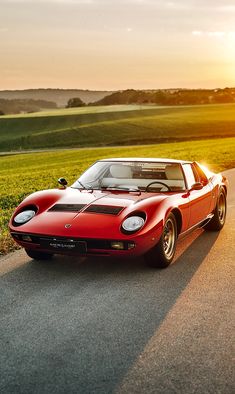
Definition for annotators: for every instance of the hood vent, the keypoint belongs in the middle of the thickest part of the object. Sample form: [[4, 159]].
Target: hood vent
[[105, 209], [67, 208]]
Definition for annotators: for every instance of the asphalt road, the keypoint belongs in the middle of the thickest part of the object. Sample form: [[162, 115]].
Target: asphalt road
[[101, 326]]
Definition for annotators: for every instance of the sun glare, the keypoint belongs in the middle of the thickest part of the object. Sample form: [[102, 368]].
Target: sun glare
[[205, 169]]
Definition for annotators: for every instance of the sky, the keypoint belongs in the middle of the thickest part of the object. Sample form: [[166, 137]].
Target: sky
[[117, 44]]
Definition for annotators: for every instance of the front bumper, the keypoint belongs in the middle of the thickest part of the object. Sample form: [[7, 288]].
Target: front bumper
[[86, 246]]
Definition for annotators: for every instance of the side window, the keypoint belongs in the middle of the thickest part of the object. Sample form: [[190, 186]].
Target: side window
[[189, 174], [201, 174]]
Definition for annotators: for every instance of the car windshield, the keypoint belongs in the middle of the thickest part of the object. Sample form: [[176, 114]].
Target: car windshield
[[133, 176]]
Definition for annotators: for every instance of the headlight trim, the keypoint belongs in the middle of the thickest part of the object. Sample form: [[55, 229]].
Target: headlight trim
[[132, 224], [24, 216]]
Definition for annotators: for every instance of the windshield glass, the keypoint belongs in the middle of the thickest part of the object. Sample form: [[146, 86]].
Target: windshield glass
[[132, 176]]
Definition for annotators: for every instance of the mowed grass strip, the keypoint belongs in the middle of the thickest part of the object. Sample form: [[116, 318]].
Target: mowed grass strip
[[81, 110], [118, 125], [23, 174]]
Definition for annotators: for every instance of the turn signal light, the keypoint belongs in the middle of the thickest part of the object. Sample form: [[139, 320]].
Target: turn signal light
[[131, 245], [26, 238], [117, 245]]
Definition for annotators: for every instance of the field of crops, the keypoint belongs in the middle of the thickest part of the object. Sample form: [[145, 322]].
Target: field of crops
[[22, 174], [116, 125]]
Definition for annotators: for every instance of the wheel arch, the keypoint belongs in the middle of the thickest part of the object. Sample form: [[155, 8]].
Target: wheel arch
[[176, 212], [224, 187]]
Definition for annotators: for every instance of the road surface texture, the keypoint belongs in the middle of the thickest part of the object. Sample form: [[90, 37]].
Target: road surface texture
[[105, 326]]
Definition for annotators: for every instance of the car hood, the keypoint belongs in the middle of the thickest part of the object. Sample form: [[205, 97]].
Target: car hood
[[76, 213], [105, 198]]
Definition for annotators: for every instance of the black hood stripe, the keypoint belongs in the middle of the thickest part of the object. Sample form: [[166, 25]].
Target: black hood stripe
[[104, 209], [67, 208], [93, 208]]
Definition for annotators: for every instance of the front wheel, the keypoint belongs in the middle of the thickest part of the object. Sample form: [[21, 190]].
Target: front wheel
[[218, 220], [36, 255], [163, 253]]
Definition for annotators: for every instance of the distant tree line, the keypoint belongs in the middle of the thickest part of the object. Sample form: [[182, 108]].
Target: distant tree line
[[59, 96], [129, 96], [17, 106], [170, 97], [75, 102]]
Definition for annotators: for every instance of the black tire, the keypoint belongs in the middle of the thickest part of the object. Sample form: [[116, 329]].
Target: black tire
[[162, 254], [218, 220], [36, 255]]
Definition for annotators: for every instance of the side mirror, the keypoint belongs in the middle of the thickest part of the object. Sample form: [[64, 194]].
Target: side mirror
[[62, 182], [197, 186]]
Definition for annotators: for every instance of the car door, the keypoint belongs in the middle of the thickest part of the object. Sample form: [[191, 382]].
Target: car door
[[199, 200]]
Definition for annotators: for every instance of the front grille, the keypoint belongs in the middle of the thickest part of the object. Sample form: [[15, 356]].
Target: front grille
[[105, 209], [66, 208], [91, 243]]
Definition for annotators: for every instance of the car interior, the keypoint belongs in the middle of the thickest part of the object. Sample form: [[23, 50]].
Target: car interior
[[169, 176]]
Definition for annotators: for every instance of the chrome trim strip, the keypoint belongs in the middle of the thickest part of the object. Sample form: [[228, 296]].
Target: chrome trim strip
[[197, 225]]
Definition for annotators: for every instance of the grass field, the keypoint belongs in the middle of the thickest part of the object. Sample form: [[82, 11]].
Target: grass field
[[23, 174], [115, 125]]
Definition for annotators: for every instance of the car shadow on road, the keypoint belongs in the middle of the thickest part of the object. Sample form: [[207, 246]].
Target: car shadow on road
[[90, 318], [190, 253]]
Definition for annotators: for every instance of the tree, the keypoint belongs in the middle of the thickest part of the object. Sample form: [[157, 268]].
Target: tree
[[75, 102]]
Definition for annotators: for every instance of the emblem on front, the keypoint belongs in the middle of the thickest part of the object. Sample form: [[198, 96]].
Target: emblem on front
[[67, 225]]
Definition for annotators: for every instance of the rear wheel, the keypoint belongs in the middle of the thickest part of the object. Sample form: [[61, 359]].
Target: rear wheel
[[163, 253], [218, 220], [36, 255]]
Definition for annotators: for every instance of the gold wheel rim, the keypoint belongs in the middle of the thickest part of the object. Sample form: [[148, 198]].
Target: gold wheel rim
[[222, 208], [169, 237]]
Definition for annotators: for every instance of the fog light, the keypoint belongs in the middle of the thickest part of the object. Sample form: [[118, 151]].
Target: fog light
[[130, 245], [26, 238], [117, 245]]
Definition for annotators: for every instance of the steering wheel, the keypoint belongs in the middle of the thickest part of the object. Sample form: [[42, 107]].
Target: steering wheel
[[160, 183]]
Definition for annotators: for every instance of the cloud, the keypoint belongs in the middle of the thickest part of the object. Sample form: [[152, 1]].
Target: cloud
[[197, 33], [227, 8], [216, 34], [161, 3], [50, 1], [215, 5]]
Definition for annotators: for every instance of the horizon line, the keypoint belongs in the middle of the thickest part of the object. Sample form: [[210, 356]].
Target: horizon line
[[117, 90]]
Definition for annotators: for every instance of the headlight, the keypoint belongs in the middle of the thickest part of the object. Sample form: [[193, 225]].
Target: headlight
[[24, 216], [133, 223]]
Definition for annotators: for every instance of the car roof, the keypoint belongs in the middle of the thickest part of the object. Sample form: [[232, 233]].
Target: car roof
[[146, 159]]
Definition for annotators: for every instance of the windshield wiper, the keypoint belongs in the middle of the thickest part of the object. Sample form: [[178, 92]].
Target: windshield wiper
[[122, 189], [84, 187]]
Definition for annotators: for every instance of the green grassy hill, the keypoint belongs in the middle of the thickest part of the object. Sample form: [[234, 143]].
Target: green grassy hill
[[116, 125]]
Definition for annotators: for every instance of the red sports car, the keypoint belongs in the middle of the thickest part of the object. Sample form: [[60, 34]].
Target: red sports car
[[122, 207]]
